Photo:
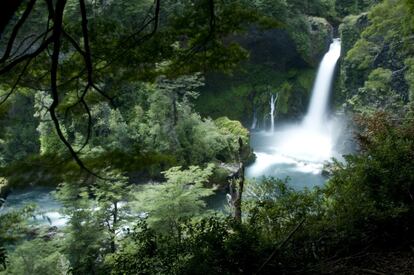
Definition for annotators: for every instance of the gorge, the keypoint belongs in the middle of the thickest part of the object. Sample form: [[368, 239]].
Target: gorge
[[299, 150]]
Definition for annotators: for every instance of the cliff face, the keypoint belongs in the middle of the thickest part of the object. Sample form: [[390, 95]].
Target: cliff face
[[377, 65], [282, 61]]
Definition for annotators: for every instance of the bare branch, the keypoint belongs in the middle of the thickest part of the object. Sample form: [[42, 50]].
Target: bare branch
[[16, 29], [16, 83], [73, 42], [212, 28], [56, 36], [17, 61], [102, 93], [44, 35], [85, 33], [154, 19], [281, 245]]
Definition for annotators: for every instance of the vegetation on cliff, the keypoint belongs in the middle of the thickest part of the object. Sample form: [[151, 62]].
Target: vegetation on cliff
[[377, 70]]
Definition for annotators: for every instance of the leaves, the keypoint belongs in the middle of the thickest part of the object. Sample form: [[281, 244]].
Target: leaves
[[178, 199]]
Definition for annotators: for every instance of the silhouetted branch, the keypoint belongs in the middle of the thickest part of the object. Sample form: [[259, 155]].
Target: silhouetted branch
[[154, 19], [281, 245], [16, 29], [56, 37], [16, 82], [17, 61]]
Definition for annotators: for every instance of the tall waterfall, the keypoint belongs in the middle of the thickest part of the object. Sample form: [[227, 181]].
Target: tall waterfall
[[320, 94], [314, 139], [298, 149]]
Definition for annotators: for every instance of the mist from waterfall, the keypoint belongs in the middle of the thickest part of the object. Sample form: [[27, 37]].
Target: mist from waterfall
[[300, 149]]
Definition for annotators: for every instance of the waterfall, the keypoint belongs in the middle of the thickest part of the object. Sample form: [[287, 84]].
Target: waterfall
[[301, 148], [317, 111], [273, 100], [254, 122]]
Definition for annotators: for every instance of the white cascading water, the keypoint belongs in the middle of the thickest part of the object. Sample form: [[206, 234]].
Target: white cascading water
[[273, 100], [317, 111], [301, 148], [254, 122]]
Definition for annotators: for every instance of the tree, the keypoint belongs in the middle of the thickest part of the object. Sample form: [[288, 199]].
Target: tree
[[94, 224], [37, 257], [112, 201], [180, 198], [13, 228]]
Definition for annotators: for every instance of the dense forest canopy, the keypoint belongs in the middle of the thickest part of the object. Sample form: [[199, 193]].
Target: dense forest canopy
[[138, 116]]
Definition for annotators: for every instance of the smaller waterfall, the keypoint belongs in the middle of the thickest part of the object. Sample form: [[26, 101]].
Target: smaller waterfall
[[273, 100], [254, 122]]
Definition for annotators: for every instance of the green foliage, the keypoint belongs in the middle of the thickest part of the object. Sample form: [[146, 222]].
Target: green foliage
[[377, 94], [383, 44], [368, 197], [409, 77], [347, 7], [375, 187], [350, 30], [13, 229], [18, 138], [250, 92], [234, 132], [152, 126], [178, 199], [363, 54], [93, 223], [37, 257], [213, 245]]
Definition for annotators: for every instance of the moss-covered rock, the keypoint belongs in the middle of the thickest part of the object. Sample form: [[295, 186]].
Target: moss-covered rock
[[352, 76], [320, 36], [247, 94], [351, 29]]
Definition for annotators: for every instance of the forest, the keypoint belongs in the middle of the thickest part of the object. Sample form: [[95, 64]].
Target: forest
[[206, 137]]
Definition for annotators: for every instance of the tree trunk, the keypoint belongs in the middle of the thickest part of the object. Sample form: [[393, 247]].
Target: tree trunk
[[237, 186]]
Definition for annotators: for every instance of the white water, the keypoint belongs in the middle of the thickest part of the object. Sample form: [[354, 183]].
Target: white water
[[317, 112], [273, 100], [299, 150], [48, 209], [254, 122]]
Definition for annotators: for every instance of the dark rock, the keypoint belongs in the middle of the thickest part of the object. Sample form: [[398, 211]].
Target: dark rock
[[321, 34], [271, 47]]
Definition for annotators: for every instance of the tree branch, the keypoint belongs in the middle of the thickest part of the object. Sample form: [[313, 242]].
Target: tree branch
[[154, 19], [16, 29], [280, 246], [17, 61], [16, 83], [56, 37]]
